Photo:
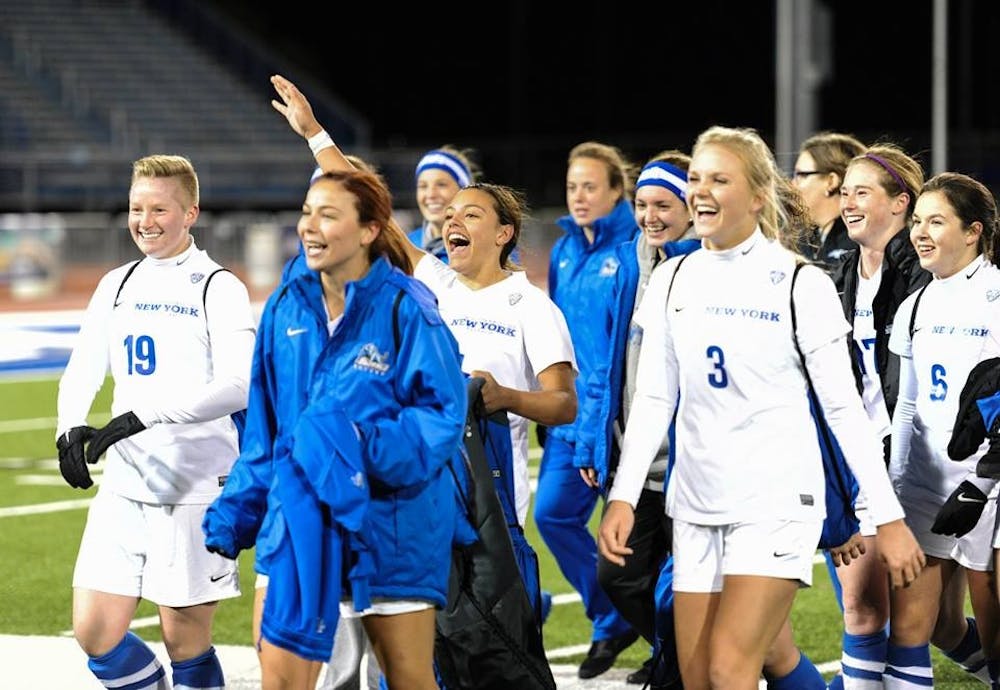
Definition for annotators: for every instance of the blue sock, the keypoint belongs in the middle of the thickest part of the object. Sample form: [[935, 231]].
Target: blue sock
[[908, 667], [202, 673], [863, 658], [969, 653], [836, 683], [131, 664], [805, 676]]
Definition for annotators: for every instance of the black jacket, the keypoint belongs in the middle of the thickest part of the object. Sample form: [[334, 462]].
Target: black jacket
[[901, 275], [836, 243]]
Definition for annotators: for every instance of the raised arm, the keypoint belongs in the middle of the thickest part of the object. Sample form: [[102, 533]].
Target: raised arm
[[296, 109]]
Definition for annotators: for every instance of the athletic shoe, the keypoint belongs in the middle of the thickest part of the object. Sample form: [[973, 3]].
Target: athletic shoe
[[602, 654], [643, 674]]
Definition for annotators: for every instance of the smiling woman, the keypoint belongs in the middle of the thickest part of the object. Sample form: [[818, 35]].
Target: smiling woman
[[759, 517]]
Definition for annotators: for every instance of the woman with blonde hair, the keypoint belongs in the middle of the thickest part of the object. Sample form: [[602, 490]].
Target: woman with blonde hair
[[720, 347]]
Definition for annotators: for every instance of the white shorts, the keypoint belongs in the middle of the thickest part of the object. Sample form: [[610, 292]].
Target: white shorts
[[867, 527], [381, 607], [704, 554], [973, 550], [384, 607], [156, 552]]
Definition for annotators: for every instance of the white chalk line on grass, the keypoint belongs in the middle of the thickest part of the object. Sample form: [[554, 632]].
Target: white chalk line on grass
[[14, 426]]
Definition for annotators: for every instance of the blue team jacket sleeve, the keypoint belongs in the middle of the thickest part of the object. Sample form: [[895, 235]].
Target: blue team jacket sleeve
[[589, 419], [234, 518], [592, 416], [411, 447]]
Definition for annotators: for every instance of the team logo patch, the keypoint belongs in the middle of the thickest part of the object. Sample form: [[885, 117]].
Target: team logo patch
[[777, 277], [197, 278], [609, 267], [991, 295], [370, 359], [358, 479], [514, 298]]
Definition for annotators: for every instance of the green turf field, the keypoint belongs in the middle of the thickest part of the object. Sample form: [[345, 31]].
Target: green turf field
[[38, 550]]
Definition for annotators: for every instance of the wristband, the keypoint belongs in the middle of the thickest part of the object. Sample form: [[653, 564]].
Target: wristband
[[320, 141]]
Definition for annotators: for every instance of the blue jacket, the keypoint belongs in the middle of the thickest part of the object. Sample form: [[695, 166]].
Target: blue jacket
[[318, 503], [581, 276], [435, 246], [408, 404], [602, 403], [294, 267]]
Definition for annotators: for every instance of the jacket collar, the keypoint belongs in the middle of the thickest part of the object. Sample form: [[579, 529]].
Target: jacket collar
[[614, 228]]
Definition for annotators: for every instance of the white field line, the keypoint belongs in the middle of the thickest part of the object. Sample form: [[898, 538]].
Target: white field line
[[13, 426], [38, 508]]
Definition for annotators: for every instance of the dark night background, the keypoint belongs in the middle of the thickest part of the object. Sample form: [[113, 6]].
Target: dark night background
[[499, 77]]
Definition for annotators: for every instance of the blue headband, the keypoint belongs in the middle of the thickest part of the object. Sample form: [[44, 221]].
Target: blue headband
[[664, 175], [442, 160]]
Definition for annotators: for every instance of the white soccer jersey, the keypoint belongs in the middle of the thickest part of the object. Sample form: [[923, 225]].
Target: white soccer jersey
[[956, 327], [511, 329], [745, 440], [180, 361], [864, 342]]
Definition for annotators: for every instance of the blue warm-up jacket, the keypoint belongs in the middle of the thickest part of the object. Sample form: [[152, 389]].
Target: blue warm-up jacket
[[602, 401], [394, 369], [581, 275]]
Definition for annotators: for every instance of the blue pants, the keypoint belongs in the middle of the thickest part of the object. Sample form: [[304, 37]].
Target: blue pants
[[563, 506]]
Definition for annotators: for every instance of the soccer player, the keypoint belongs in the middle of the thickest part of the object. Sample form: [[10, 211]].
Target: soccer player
[[582, 268], [661, 211], [178, 332], [940, 333], [746, 493], [818, 174], [440, 174], [357, 335], [509, 332], [351, 643]]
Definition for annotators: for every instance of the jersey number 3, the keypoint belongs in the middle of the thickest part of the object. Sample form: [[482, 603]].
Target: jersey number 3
[[717, 378]]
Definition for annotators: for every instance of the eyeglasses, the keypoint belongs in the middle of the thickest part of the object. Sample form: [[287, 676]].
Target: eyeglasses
[[803, 174]]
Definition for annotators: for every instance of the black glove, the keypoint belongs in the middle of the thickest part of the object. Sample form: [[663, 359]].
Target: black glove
[[989, 465], [122, 426], [221, 550], [71, 464], [969, 431], [961, 511]]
